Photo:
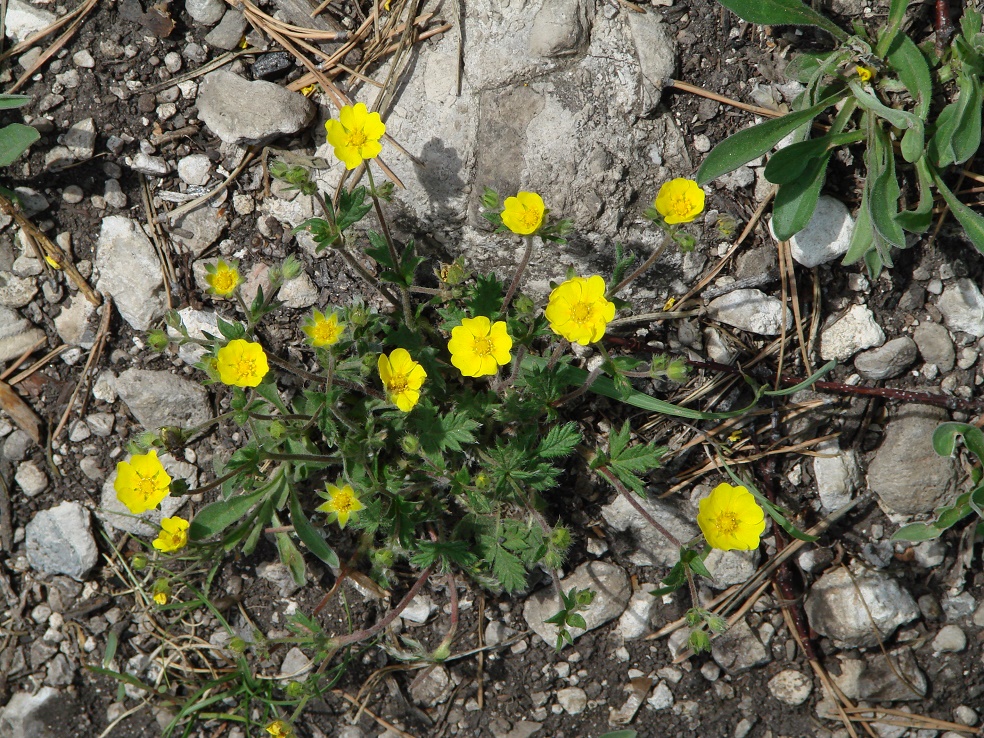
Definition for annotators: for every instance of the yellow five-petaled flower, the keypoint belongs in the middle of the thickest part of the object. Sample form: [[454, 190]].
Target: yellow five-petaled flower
[[730, 518], [679, 201], [355, 135], [523, 214], [241, 363], [479, 347], [579, 311], [864, 73], [343, 502], [279, 729], [141, 482], [322, 330], [222, 278], [173, 536], [402, 378]]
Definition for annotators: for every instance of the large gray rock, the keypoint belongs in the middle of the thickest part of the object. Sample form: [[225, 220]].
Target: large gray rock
[[849, 608], [891, 677], [738, 649], [17, 334], [59, 541], [129, 271], [41, 715], [656, 51], [159, 398], [114, 515], [75, 323], [242, 112], [650, 547], [962, 305], [561, 27], [935, 345], [22, 19], [612, 591], [751, 310], [853, 331], [907, 474]]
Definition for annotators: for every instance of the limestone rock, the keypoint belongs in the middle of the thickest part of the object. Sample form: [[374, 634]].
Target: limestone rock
[[561, 27], [826, 237], [129, 271], [888, 361], [962, 305], [649, 547], [59, 541], [850, 333], [159, 398], [838, 474], [891, 677], [751, 310], [738, 649], [16, 334]]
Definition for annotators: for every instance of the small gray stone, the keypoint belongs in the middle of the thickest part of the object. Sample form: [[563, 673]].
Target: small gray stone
[[74, 323], [561, 27], [850, 333], [962, 305], [935, 345], [31, 479], [730, 567], [838, 474], [159, 398], [16, 334], [610, 584], [83, 59], [847, 608], [751, 310], [173, 62], [907, 474], [950, 639], [41, 715], [73, 195], [295, 667], [22, 19], [419, 609], [826, 237], [958, 606], [888, 361], [661, 698], [90, 467], [114, 194], [892, 677], [738, 649], [572, 699], [242, 112], [59, 541], [277, 573], [433, 687], [16, 446], [929, 553], [129, 271], [965, 715], [101, 423], [59, 672], [229, 32], [791, 687], [16, 291], [634, 622], [154, 166], [206, 12], [195, 169], [299, 293], [199, 229], [81, 139]]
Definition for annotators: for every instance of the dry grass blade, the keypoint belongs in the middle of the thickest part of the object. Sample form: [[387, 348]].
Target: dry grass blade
[[22, 358], [78, 15], [20, 412], [171, 215], [362, 709], [163, 254]]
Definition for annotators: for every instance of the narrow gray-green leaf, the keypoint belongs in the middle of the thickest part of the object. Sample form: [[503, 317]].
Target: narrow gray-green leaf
[[13, 101], [782, 13], [967, 126], [919, 219], [15, 139], [789, 163], [862, 235], [750, 143], [797, 200], [908, 62], [218, 516], [309, 534], [972, 222]]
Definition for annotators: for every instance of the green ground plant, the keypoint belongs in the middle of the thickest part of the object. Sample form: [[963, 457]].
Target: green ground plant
[[913, 108]]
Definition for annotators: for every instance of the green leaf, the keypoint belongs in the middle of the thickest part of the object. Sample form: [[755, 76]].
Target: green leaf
[[796, 201], [750, 143], [440, 433], [945, 439], [560, 441], [15, 139], [972, 222], [919, 219], [863, 235], [7, 102], [508, 569], [485, 297], [884, 194], [958, 126], [576, 621], [218, 516], [291, 558], [805, 384], [352, 207], [908, 62], [308, 534], [789, 163], [620, 734], [230, 331], [917, 532], [782, 13], [898, 118]]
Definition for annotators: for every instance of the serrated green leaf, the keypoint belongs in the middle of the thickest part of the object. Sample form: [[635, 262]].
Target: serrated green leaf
[[782, 13], [560, 441], [509, 570], [700, 568], [485, 297], [619, 440], [230, 331], [352, 207], [751, 143], [308, 534]]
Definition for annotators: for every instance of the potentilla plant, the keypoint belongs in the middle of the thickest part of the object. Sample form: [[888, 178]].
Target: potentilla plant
[[913, 108], [430, 434]]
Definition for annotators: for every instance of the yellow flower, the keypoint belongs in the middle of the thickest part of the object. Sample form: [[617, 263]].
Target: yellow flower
[[141, 483], [355, 135], [322, 330], [402, 378], [864, 73], [578, 310], [241, 363], [730, 518], [161, 591], [222, 278], [160, 598], [679, 201], [523, 214], [343, 502], [279, 729], [173, 536], [479, 347]]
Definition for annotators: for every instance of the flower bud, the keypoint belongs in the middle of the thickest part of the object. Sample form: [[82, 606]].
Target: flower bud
[[699, 641], [677, 371], [409, 444], [295, 690], [291, 268], [173, 319], [693, 618], [138, 562], [238, 645], [442, 652], [157, 340]]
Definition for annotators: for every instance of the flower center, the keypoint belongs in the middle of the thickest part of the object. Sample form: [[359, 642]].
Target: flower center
[[726, 523], [581, 312], [680, 205], [224, 281], [482, 347], [357, 138], [324, 331], [146, 487], [344, 502], [397, 385], [529, 217], [246, 367]]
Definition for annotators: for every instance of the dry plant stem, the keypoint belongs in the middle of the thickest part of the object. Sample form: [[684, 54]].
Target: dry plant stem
[[514, 285], [588, 381], [361, 635], [700, 91], [645, 265], [607, 474]]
